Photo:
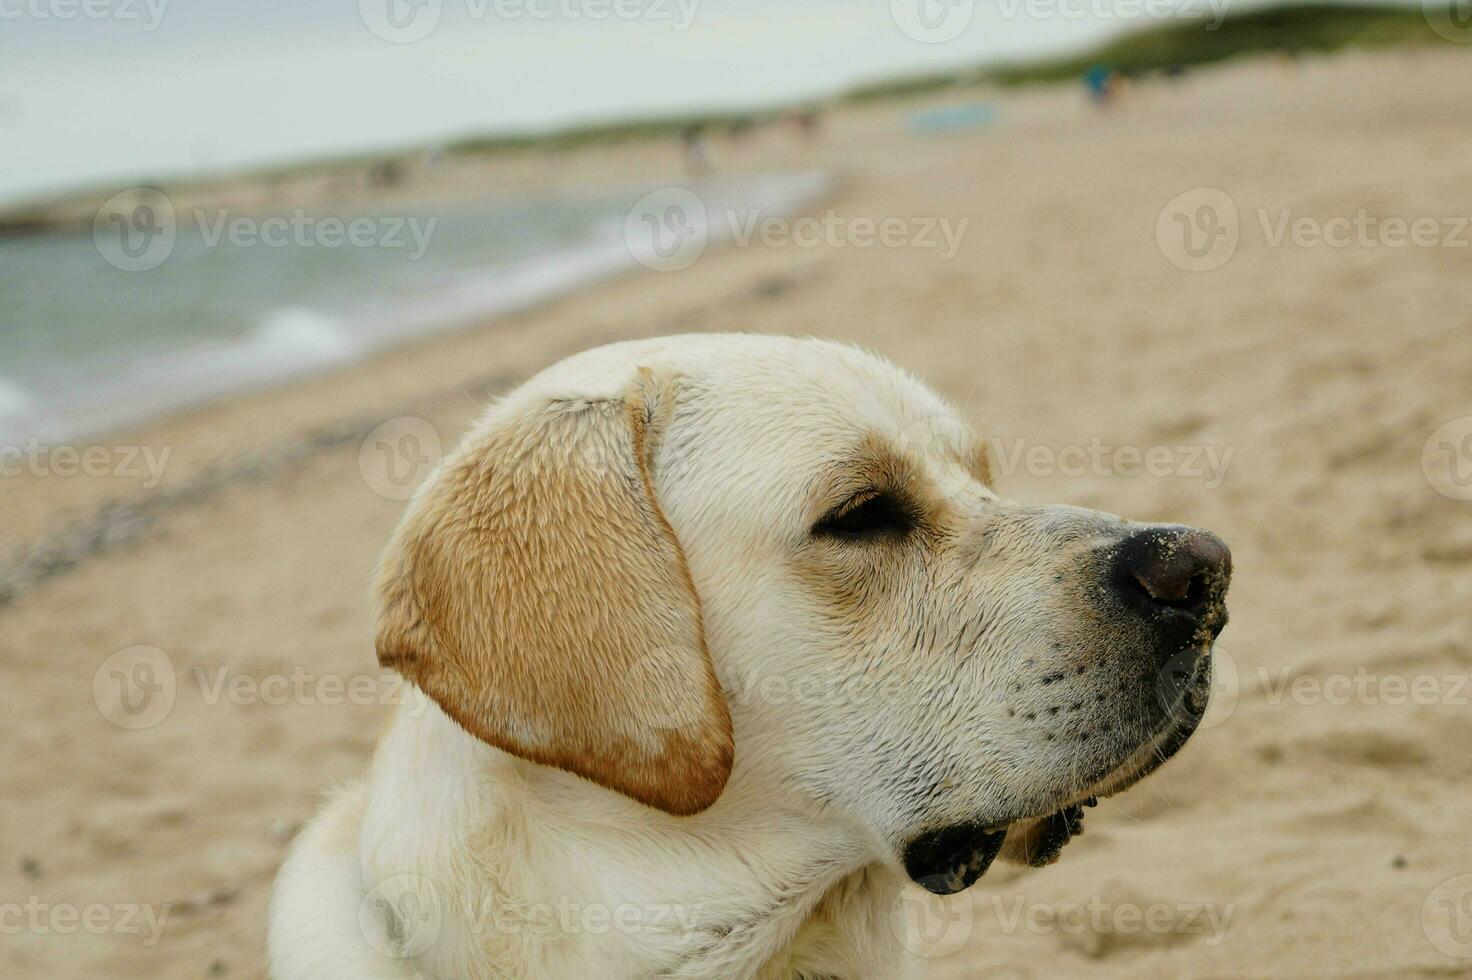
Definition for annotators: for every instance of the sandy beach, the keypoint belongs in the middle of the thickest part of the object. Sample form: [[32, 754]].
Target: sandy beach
[[1299, 393]]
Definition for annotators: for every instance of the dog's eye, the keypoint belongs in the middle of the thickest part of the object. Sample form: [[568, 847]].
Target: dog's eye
[[870, 517]]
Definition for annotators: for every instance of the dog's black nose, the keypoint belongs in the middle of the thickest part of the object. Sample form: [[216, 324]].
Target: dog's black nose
[[1167, 572]]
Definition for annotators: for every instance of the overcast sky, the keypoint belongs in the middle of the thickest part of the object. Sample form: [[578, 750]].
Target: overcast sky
[[103, 90]]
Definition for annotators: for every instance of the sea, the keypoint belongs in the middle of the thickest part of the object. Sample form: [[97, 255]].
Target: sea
[[151, 310]]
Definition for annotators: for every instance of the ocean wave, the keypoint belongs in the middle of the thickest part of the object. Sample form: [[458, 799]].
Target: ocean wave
[[18, 411], [15, 401], [448, 301], [294, 335]]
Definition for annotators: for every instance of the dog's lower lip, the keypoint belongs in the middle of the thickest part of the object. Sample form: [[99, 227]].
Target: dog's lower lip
[[1054, 831], [951, 859]]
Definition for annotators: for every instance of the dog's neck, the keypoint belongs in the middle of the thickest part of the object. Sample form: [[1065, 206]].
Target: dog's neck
[[535, 869]]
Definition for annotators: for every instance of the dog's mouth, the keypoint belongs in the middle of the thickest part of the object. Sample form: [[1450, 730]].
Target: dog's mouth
[[953, 858]]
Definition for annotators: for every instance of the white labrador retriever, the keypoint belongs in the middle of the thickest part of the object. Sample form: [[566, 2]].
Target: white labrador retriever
[[721, 640]]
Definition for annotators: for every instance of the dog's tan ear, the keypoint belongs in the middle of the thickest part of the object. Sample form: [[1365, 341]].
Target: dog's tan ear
[[538, 594]]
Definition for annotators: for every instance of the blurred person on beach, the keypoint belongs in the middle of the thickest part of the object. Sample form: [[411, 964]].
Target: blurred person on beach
[[807, 121], [1102, 84], [696, 149]]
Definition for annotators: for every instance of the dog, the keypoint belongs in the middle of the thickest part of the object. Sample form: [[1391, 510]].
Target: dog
[[718, 643]]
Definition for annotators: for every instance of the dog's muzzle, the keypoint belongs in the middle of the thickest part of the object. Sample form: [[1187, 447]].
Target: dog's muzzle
[[1175, 579]]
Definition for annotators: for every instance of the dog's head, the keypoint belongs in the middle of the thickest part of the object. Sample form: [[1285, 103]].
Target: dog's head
[[659, 557]]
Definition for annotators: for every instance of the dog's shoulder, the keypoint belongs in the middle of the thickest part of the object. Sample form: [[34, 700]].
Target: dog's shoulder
[[314, 928]]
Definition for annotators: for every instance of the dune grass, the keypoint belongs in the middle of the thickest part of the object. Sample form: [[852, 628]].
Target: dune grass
[[1288, 29]]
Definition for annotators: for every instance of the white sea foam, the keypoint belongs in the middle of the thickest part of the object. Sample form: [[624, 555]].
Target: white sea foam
[[18, 410], [15, 401], [300, 337]]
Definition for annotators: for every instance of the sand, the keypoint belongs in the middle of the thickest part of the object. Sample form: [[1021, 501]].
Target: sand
[[1316, 826]]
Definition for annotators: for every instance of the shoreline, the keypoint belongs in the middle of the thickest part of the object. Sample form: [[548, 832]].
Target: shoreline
[[272, 327], [120, 522], [94, 525]]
